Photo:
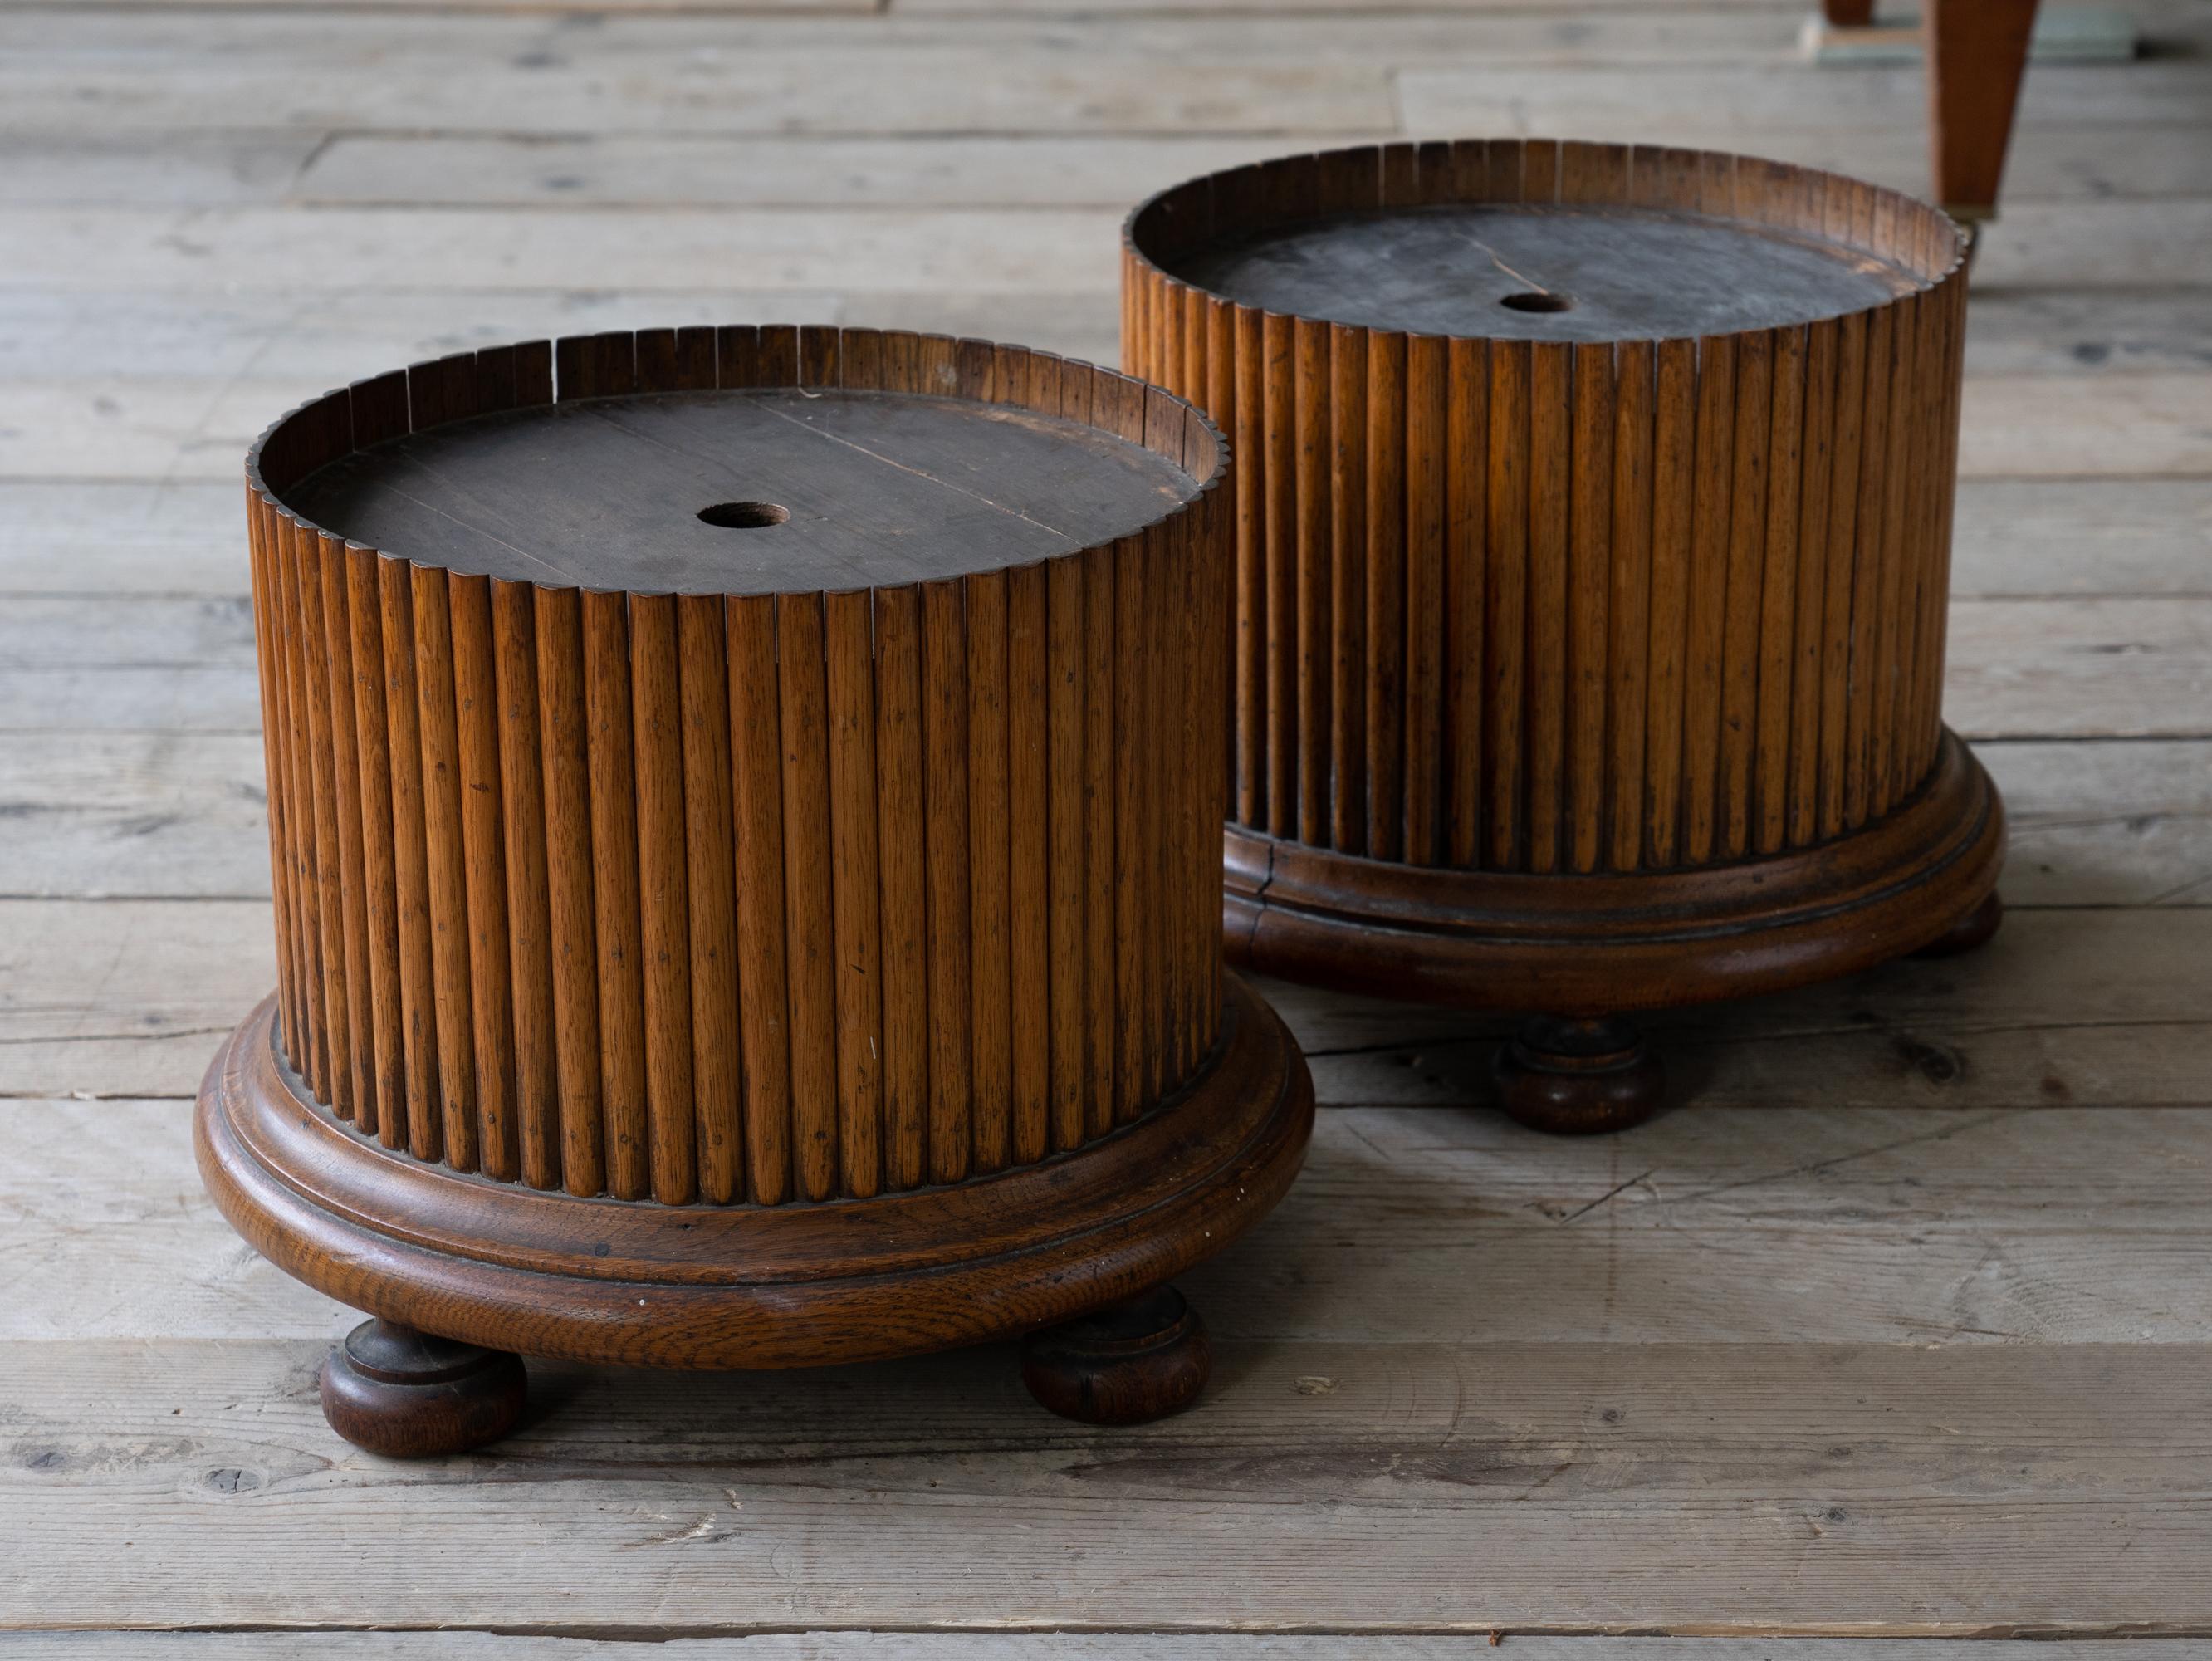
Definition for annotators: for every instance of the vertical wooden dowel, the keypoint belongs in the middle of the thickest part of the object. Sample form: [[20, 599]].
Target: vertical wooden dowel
[[335, 1078], [809, 905], [664, 907], [1897, 546], [1346, 627], [611, 746], [312, 1058], [475, 711], [563, 728], [1467, 576], [1314, 565], [850, 652], [379, 852], [1550, 464], [1506, 608], [1860, 695], [1190, 789], [1245, 375], [1841, 569], [1132, 775], [258, 520], [529, 907], [990, 982], [1817, 447], [1279, 401], [1770, 772], [1745, 583], [1029, 856], [900, 810], [1707, 626], [756, 787], [1673, 562], [1628, 652], [1381, 697], [945, 793], [1589, 596], [445, 866], [345, 794], [417, 987], [1066, 815], [1105, 1000], [1427, 498], [710, 892]]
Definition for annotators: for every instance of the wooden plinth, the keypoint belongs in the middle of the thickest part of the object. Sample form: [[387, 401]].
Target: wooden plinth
[[1593, 538], [743, 821]]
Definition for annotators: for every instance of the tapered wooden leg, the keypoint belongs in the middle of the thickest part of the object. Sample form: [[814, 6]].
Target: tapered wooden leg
[[1122, 1365], [411, 1396], [1969, 932], [1579, 1077], [1977, 54]]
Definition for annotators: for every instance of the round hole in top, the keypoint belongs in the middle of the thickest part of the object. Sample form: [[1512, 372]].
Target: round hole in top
[[1536, 299], [744, 515]]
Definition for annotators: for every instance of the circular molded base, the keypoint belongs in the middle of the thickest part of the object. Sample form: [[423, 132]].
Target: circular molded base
[[409, 1396], [1970, 933], [1608, 942], [1579, 1078], [1132, 1361], [740, 1285]]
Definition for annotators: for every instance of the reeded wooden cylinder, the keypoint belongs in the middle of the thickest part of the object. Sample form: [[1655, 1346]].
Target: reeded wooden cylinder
[[1594, 512], [850, 847]]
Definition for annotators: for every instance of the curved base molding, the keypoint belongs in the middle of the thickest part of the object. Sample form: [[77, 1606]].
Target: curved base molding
[[1604, 943], [633, 1282]]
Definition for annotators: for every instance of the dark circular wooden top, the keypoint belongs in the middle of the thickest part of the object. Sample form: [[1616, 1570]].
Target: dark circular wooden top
[[1542, 272], [801, 490]]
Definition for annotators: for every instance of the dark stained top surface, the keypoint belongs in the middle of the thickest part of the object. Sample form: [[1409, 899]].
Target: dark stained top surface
[[1629, 274], [880, 490]]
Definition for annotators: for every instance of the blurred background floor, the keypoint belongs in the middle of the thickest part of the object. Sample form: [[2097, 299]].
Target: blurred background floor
[[1903, 1328]]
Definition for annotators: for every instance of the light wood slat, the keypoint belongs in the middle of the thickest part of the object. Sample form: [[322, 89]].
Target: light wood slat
[[670, 45], [1898, 1223], [970, 1646], [2049, 163], [873, 90], [1883, 1525], [1746, 103]]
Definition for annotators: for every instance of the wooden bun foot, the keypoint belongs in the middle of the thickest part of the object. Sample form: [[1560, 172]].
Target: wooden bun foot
[[1579, 1077], [410, 1395], [1970, 933], [1143, 1358]]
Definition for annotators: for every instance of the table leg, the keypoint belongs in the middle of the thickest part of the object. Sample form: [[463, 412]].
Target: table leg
[[409, 1394], [1578, 1076], [1129, 1362]]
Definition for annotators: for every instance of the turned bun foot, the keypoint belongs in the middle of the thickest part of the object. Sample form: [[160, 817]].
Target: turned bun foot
[[1970, 933], [1122, 1365], [1579, 1078], [410, 1395]]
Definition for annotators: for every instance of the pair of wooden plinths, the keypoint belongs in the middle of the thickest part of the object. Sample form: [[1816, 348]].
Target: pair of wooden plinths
[[744, 802]]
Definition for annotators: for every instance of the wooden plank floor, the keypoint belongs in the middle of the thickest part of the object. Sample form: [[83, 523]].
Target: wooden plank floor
[[1904, 1329]]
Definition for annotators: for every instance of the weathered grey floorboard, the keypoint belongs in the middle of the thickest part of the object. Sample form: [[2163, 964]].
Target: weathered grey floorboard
[[1797, 1488]]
